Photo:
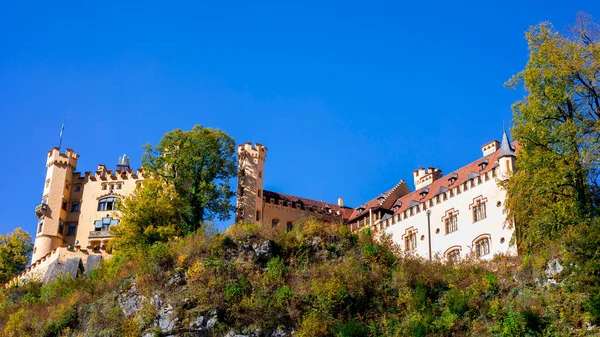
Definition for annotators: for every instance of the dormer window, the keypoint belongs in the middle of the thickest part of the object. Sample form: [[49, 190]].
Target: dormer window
[[397, 206], [360, 209], [424, 192], [484, 163], [381, 198], [453, 178]]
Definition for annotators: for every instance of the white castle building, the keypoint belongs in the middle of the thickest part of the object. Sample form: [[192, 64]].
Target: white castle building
[[449, 216]]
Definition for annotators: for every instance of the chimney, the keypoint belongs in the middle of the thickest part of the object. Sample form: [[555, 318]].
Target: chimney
[[490, 148], [424, 177], [340, 202]]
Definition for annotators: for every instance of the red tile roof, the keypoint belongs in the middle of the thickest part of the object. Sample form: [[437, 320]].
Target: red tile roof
[[390, 197], [462, 175], [317, 206]]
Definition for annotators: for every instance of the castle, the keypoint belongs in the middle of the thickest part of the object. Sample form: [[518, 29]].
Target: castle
[[449, 216]]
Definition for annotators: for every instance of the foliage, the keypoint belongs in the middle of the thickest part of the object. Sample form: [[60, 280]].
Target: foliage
[[15, 252], [321, 281], [150, 214], [557, 125], [199, 164]]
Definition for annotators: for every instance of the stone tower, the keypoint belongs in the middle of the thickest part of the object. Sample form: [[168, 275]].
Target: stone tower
[[52, 211], [251, 163]]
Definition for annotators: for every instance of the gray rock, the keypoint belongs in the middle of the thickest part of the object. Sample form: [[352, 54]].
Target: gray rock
[[130, 301], [200, 326], [264, 250], [176, 280], [164, 320]]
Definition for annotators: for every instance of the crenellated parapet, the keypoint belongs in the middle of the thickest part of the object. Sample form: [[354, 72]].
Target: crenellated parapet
[[255, 150], [68, 159], [110, 175]]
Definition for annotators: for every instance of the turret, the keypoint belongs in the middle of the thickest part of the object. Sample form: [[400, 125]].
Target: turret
[[251, 163], [123, 163], [52, 210], [507, 157]]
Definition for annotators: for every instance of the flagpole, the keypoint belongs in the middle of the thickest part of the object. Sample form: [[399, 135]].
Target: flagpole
[[61, 134]]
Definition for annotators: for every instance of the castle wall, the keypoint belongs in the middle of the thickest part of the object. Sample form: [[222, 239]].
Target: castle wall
[[494, 225]]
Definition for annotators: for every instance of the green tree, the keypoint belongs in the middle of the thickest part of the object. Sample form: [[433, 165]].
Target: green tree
[[150, 214], [15, 252], [199, 164], [557, 127]]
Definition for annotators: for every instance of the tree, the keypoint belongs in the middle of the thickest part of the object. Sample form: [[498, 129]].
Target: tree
[[150, 214], [15, 252], [199, 164], [557, 127]]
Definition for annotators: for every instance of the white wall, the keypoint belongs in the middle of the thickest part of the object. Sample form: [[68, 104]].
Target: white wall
[[494, 224]]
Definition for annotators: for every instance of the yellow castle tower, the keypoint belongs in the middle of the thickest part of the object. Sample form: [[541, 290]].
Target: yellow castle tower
[[251, 164], [52, 211]]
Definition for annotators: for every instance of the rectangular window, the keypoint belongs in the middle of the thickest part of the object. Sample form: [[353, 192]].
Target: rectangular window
[[257, 215], [71, 229], [289, 226], [98, 225], [40, 226], [451, 223], [77, 188], [274, 222], [241, 191], [61, 227], [75, 206], [259, 193], [410, 241], [479, 211], [64, 204], [260, 174]]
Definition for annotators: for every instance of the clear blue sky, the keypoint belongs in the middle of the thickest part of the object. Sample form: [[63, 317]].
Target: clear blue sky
[[348, 97]]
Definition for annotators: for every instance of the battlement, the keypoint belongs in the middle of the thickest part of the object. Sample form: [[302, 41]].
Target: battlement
[[254, 150], [68, 158], [109, 175]]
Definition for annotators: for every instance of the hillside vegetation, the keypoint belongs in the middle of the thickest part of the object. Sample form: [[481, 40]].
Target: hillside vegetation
[[317, 280]]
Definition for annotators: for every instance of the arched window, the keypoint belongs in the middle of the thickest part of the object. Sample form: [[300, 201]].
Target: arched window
[[274, 222], [482, 246], [453, 255], [289, 226], [107, 204]]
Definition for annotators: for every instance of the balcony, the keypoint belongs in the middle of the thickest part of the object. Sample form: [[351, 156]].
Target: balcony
[[41, 209], [99, 235]]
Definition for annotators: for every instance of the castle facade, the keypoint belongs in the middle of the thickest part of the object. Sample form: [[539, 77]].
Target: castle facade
[[449, 216]]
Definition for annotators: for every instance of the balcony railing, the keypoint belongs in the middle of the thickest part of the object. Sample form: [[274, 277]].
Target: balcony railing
[[41, 209], [100, 234]]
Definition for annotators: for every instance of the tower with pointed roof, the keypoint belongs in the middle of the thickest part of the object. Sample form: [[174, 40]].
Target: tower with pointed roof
[[506, 157]]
